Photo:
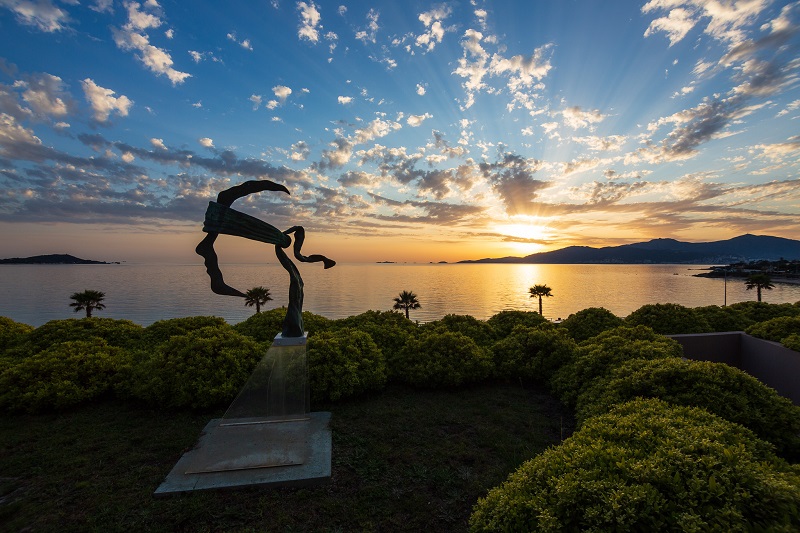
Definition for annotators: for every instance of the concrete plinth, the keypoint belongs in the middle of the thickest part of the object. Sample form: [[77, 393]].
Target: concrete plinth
[[290, 453]]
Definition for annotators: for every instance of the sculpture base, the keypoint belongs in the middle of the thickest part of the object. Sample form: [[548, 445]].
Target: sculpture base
[[289, 453]]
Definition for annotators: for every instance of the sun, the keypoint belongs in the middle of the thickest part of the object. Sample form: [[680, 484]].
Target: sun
[[528, 236]]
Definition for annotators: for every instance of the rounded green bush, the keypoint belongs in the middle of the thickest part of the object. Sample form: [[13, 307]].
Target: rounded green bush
[[776, 329], [598, 355], [344, 363], [481, 332], [726, 318], [668, 319], [12, 333], [648, 466], [792, 342], [163, 330], [203, 368], [762, 311], [122, 333], [389, 329], [61, 376], [532, 353], [590, 322], [504, 322], [443, 359], [721, 389], [264, 326]]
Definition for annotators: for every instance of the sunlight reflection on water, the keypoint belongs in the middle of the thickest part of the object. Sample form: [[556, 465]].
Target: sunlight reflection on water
[[145, 293]]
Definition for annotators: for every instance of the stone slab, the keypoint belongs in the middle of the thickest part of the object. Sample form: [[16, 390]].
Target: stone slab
[[295, 453]]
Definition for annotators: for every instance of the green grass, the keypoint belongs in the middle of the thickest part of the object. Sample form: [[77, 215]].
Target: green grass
[[403, 460]]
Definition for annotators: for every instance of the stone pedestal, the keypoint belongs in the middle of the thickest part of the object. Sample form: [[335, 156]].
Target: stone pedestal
[[268, 436]]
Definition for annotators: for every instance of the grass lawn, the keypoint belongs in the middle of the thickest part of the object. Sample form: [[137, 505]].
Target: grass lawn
[[402, 460]]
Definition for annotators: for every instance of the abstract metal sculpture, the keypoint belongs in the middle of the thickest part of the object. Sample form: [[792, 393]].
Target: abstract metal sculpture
[[220, 218]]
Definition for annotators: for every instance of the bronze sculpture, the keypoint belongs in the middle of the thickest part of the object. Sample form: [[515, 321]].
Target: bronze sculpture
[[221, 218]]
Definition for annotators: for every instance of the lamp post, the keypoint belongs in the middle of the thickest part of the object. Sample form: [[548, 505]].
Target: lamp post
[[725, 300]]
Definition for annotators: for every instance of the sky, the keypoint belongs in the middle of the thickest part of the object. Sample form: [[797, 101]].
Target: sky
[[405, 131]]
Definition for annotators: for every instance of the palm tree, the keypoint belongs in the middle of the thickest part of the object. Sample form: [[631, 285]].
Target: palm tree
[[540, 290], [257, 296], [758, 282], [88, 300], [406, 300]]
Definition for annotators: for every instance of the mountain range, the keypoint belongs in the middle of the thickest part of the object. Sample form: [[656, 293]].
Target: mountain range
[[742, 248], [51, 259]]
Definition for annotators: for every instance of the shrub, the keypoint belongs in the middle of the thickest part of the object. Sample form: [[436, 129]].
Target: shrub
[[792, 342], [481, 332], [721, 389], [590, 322], [443, 359], [264, 326], [61, 376], [668, 319], [531, 353], [762, 311], [344, 363], [121, 333], [12, 333], [648, 466], [163, 330], [776, 329], [504, 322], [598, 355], [390, 331], [724, 318], [203, 368]]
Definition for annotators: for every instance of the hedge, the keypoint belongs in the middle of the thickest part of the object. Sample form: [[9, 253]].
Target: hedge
[[648, 466], [445, 359], [532, 354], [727, 318], [776, 329], [590, 322], [504, 322], [669, 319]]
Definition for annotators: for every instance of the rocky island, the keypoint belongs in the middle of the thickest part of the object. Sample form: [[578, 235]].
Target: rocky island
[[53, 259]]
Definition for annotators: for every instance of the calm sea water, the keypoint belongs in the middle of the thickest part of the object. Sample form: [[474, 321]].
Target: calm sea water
[[144, 293]]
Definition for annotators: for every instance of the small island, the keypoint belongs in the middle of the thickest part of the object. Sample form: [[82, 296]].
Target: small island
[[53, 259]]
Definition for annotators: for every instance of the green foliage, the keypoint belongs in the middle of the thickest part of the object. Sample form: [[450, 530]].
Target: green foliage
[[726, 318], [203, 368], [263, 326], [792, 342], [12, 333], [590, 322], [61, 376], [344, 363], [721, 389], [668, 319], [390, 331], [762, 311], [121, 333], [481, 332], [441, 358], [598, 355], [532, 353], [776, 329], [163, 330], [648, 466], [314, 323], [504, 322]]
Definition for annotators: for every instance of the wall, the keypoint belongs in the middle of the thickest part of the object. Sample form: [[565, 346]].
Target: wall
[[770, 362]]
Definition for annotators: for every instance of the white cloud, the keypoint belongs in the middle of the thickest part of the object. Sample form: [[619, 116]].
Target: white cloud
[[256, 99], [42, 14], [205, 141], [416, 120], [158, 143], [281, 92], [344, 100], [45, 95], [272, 104], [792, 106], [432, 20], [375, 129], [169, 34], [604, 144], [128, 157], [421, 89], [300, 151], [244, 43], [198, 104], [309, 21], [676, 24], [104, 102], [154, 58], [575, 117], [369, 34]]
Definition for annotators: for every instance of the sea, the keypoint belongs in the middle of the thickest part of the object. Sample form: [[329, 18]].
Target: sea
[[145, 293]]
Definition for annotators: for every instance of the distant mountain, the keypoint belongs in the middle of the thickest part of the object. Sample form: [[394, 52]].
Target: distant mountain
[[743, 248], [52, 259]]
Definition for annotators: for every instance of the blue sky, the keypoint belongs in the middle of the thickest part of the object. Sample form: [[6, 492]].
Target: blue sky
[[406, 131]]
